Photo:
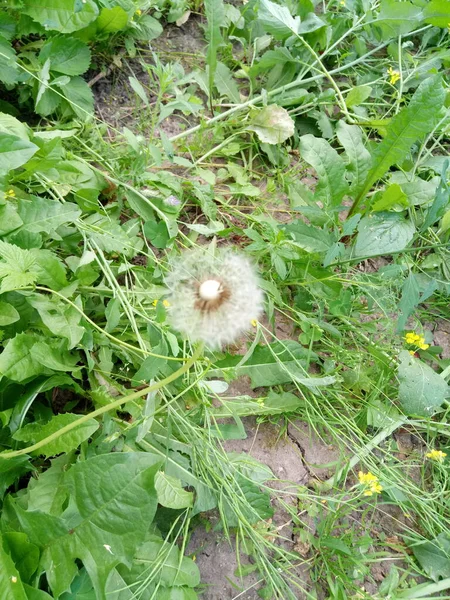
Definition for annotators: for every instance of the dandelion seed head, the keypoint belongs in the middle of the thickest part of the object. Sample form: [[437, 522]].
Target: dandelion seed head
[[214, 296]]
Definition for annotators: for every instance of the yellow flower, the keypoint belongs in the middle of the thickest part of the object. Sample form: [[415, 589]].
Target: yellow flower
[[254, 322], [416, 340], [138, 12], [411, 352], [394, 76], [371, 483], [10, 194], [342, 2], [166, 303], [155, 302], [436, 455]]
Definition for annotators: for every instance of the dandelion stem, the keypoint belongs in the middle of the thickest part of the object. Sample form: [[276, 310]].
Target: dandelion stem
[[116, 404]]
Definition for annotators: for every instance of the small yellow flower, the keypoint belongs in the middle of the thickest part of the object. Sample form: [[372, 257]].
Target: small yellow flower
[[411, 337], [394, 75], [371, 483], [436, 455], [411, 352], [155, 302], [10, 193], [254, 322], [342, 2], [138, 12], [166, 303]]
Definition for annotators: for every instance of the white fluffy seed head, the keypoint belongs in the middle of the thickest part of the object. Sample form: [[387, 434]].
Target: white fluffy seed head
[[209, 289], [214, 296]]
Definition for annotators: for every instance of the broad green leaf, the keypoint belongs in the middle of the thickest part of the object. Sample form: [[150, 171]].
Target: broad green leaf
[[225, 83], [54, 357], [16, 361], [35, 432], [9, 219], [383, 233], [17, 268], [157, 233], [80, 97], [47, 493], [272, 124], [418, 191], [111, 20], [7, 26], [277, 20], [308, 237], [8, 314], [359, 159], [24, 554], [215, 16], [407, 127], [11, 125], [64, 16], [330, 169], [112, 504], [434, 556], [392, 197], [409, 300], [67, 55], [14, 151], [35, 594], [171, 493], [62, 319], [422, 391], [147, 30], [49, 269], [44, 215], [81, 588], [437, 13], [355, 97], [256, 506], [396, 18], [11, 587], [9, 72], [11, 469], [440, 203], [268, 365]]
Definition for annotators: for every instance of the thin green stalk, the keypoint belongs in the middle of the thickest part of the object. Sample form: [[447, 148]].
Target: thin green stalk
[[116, 404]]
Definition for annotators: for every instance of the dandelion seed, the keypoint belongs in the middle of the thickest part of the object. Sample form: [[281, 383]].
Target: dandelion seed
[[108, 548], [436, 455], [394, 75], [214, 296]]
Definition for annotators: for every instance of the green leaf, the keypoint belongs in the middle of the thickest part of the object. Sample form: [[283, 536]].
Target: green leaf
[[157, 233], [139, 89], [225, 83], [147, 29], [112, 504], [277, 20], [14, 151], [62, 319], [215, 16], [274, 404], [268, 365], [408, 126], [8, 314], [434, 556], [418, 191], [11, 125], [393, 196], [355, 97], [396, 18], [10, 583], [17, 268], [308, 237], [171, 493], [24, 554], [11, 469], [80, 97], [359, 159], [47, 493], [35, 432], [68, 55], [64, 16], [437, 13], [111, 20], [422, 391], [409, 300], [9, 219], [49, 269], [272, 124], [54, 358], [330, 169], [16, 361], [383, 233], [44, 215], [441, 201], [9, 72]]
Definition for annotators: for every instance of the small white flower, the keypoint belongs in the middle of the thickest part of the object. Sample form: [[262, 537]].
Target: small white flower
[[214, 296]]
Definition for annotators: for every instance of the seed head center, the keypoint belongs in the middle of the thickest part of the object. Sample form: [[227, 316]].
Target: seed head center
[[210, 289]]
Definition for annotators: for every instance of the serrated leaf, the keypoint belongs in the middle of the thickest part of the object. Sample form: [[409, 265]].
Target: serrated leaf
[[16, 361], [308, 237], [24, 554], [359, 159], [437, 13], [45, 215], [422, 391], [50, 270], [111, 20], [61, 319], [434, 556], [383, 233], [330, 169], [407, 127], [9, 71], [112, 504], [14, 151], [171, 493], [35, 432], [225, 83], [277, 20], [61, 15], [68, 55], [272, 124]]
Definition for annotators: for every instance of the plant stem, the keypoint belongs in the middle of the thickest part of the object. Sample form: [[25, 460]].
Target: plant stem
[[100, 411]]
